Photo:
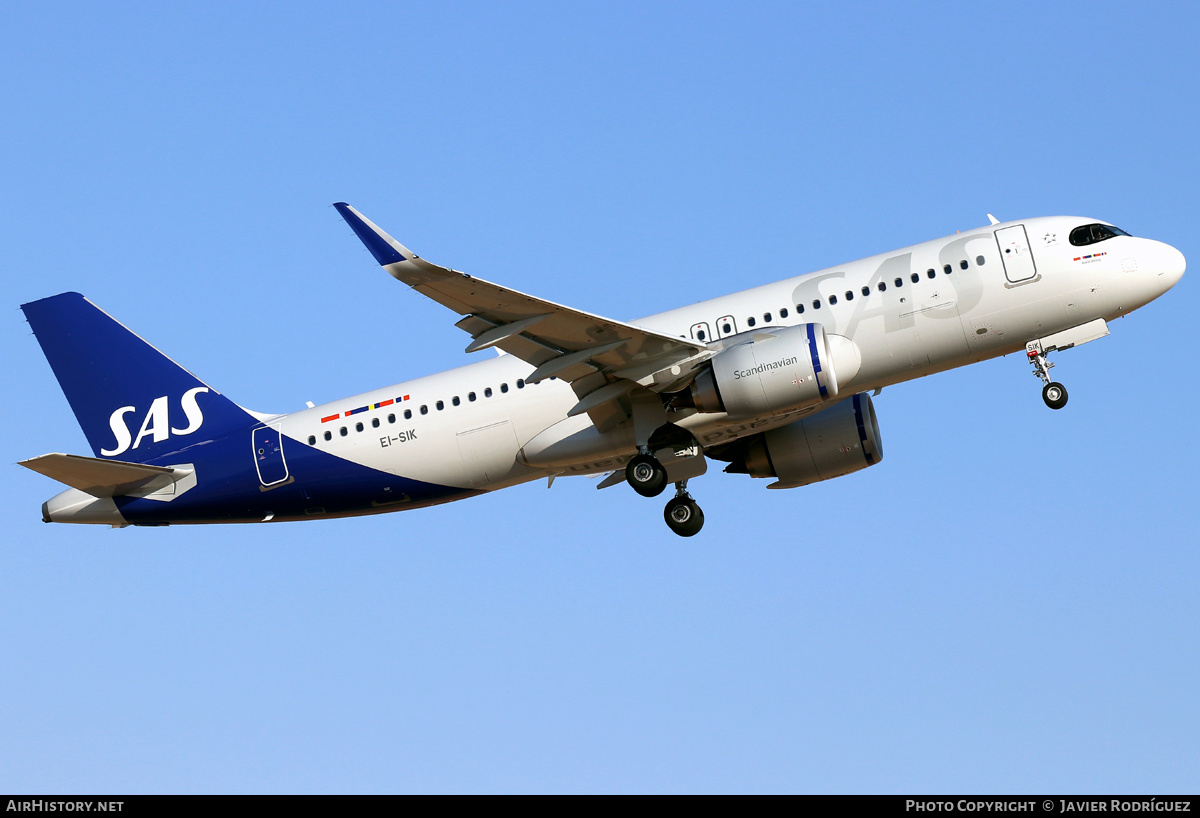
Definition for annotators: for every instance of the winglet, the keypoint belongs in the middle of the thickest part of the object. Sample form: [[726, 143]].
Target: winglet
[[385, 248]]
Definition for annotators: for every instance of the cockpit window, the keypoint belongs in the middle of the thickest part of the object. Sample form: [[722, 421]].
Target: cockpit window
[[1092, 233]]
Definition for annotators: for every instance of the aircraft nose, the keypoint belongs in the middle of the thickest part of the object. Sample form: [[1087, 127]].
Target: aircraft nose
[[1171, 265]]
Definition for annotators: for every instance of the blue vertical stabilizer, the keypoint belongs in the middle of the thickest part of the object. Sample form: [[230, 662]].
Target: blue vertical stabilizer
[[134, 403]]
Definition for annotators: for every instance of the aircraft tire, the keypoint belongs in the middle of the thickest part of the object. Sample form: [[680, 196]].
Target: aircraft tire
[[646, 475], [684, 517], [1055, 395]]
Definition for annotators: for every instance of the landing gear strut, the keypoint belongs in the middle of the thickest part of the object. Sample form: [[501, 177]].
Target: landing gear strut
[[682, 514], [1053, 393]]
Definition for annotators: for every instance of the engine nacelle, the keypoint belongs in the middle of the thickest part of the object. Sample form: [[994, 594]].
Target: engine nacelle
[[839, 440], [774, 371]]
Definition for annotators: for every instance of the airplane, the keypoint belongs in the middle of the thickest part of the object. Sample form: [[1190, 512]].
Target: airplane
[[775, 381]]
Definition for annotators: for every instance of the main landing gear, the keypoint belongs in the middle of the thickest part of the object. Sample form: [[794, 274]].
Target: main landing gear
[[1053, 393], [648, 477], [682, 514]]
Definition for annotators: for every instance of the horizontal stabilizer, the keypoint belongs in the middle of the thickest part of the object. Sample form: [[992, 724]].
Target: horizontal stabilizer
[[103, 478]]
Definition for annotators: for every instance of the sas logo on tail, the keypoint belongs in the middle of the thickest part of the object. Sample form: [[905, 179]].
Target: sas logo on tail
[[157, 423]]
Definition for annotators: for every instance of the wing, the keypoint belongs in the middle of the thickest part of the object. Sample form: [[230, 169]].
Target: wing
[[603, 360]]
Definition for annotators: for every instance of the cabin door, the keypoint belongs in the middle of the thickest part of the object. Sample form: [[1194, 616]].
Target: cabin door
[[1015, 253], [268, 455]]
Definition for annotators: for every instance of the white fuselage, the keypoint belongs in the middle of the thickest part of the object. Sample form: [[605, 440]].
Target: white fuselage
[[942, 304]]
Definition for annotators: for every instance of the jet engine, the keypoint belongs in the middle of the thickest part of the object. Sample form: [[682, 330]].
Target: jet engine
[[839, 440], [772, 371]]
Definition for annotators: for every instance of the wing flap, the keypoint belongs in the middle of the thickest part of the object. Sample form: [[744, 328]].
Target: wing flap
[[496, 334]]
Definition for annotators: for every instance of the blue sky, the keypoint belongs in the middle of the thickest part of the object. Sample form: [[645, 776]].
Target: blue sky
[[1007, 603]]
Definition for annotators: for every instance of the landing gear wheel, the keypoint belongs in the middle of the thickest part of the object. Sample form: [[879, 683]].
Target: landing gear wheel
[[1055, 395], [646, 475], [684, 517]]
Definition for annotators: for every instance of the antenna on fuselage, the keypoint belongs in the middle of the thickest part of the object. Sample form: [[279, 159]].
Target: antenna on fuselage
[[993, 219]]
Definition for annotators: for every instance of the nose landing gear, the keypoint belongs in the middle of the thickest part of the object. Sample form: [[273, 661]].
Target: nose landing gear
[[682, 514], [1053, 393]]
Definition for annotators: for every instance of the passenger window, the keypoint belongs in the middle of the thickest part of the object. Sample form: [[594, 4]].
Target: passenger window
[[899, 282], [503, 388], [849, 295], [832, 300], [979, 260], [783, 313], [440, 405], [471, 396], [455, 400], [700, 335], [408, 414], [931, 273], [799, 309], [750, 321], [816, 303], [329, 435], [882, 286], [343, 431], [374, 423], [520, 383], [726, 329], [424, 409], [766, 317], [391, 418], [963, 264], [312, 440], [358, 426], [487, 393], [947, 269], [866, 290]]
